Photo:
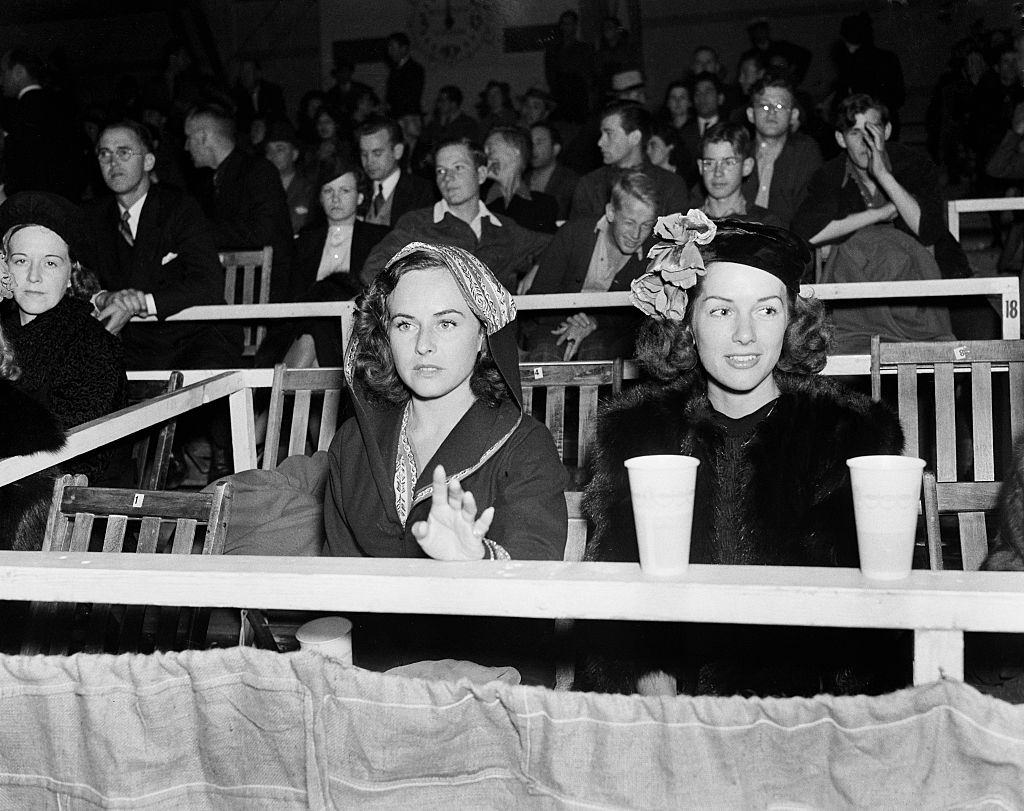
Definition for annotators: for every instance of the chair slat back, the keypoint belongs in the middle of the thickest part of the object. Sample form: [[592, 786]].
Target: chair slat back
[[982, 378], [152, 449], [571, 393], [971, 503], [150, 521], [291, 403], [247, 281]]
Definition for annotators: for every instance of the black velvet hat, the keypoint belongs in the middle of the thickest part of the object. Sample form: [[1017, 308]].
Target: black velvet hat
[[775, 250], [51, 211]]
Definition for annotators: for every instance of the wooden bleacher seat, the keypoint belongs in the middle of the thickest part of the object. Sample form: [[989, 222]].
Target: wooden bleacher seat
[[107, 520], [151, 451], [571, 383], [291, 397], [945, 441], [247, 281]]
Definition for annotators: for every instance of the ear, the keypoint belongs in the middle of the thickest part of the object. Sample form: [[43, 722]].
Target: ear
[[481, 174], [794, 118], [721, 99], [359, 199], [635, 138], [888, 131], [750, 114], [609, 212], [556, 150], [149, 161], [840, 139], [748, 166], [398, 150]]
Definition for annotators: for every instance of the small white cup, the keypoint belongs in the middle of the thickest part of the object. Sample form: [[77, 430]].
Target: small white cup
[[886, 494], [662, 489], [328, 636]]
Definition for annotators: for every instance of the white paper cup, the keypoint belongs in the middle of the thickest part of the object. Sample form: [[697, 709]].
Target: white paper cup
[[886, 494], [662, 490], [329, 636]]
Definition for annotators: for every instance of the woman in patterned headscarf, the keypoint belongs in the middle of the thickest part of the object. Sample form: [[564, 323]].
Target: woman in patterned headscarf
[[440, 461]]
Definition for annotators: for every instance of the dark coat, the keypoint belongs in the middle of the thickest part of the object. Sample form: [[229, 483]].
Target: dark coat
[[563, 269], [794, 167], [594, 191], [411, 192], [42, 150], [829, 198], [171, 225], [250, 210], [561, 186], [26, 428], [538, 212], [504, 458], [796, 509], [404, 90], [73, 368]]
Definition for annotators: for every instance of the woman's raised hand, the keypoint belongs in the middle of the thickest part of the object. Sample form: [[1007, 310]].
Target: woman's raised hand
[[452, 530]]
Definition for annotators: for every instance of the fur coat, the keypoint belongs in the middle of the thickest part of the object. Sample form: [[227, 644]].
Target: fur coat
[[26, 428], [781, 497]]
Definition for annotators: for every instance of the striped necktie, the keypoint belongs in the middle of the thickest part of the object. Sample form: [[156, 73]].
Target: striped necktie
[[125, 229], [378, 201]]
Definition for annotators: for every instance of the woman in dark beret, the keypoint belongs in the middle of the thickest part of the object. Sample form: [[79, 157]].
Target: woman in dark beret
[[68, 362], [734, 351]]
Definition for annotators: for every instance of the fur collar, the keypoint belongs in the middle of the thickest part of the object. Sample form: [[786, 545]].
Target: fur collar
[[26, 427]]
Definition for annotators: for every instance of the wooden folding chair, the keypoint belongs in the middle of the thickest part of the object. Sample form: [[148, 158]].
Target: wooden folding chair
[[578, 383], [291, 398], [988, 435], [247, 281], [104, 520], [151, 451]]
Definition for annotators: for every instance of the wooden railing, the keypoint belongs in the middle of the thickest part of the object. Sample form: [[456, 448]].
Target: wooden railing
[[937, 606]]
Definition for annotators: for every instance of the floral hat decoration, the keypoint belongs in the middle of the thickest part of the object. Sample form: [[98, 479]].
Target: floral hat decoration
[[6, 279], [675, 264]]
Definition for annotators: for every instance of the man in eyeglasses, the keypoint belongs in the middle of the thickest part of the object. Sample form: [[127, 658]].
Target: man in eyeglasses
[[461, 219], [785, 160], [155, 257], [726, 159]]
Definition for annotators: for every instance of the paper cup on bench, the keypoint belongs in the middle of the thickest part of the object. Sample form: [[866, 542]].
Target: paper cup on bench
[[662, 490], [886, 494], [329, 636]]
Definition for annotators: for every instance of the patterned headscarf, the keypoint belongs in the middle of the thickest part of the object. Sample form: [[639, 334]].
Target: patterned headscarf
[[486, 296]]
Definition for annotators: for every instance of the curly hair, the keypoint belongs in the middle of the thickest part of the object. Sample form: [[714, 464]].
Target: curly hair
[[84, 283], [373, 365], [9, 369], [665, 349]]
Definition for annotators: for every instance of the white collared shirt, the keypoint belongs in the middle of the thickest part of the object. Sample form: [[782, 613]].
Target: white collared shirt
[[134, 213], [606, 261], [27, 88], [441, 208]]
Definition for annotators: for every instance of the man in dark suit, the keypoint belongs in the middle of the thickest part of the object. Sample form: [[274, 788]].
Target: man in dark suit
[[546, 173], [249, 208], [594, 257], [155, 257], [42, 150], [255, 97], [404, 91], [393, 192]]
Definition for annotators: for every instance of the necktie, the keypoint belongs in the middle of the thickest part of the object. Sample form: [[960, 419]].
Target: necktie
[[378, 200], [125, 229]]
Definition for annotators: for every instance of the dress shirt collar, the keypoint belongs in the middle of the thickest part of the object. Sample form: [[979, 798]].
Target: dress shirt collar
[[134, 213], [441, 208], [28, 88], [387, 184], [603, 229]]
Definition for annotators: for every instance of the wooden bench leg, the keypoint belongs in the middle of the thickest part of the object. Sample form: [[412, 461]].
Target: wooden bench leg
[[938, 655]]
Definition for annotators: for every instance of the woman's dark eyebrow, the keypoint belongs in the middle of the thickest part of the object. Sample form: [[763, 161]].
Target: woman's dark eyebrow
[[438, 313]]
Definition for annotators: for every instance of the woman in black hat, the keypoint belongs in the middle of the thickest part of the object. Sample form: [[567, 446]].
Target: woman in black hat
[[734, 350], [69, 363]]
